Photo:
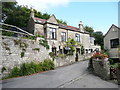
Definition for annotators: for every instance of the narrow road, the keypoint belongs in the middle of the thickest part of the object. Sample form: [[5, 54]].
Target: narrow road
[[72, 76]]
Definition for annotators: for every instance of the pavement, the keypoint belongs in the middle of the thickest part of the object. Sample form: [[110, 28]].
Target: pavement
[[71, 76]]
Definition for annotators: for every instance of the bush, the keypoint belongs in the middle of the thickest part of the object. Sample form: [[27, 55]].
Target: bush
[[48, 65], [7, 33], [39, 67], [62, 55], [110, 60], [27, 68], [44, 43], [105, 51], [23, 69], [30, 37], [114, 65], [52, 54], [41, 36], [82, 50], [15, 72], [31, 68]]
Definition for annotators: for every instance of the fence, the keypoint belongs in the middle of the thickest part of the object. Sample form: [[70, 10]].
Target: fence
[[10, 30]]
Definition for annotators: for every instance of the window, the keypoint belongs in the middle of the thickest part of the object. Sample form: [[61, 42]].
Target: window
[[78, 37], [114, 43], [52, 33], [63, 36]]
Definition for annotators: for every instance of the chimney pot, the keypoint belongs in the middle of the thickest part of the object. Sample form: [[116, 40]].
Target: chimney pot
[[81, 26]]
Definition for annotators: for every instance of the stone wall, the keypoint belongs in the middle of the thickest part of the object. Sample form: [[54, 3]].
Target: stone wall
[[118, 74], [61, 61], [102, 68], [16, 51]]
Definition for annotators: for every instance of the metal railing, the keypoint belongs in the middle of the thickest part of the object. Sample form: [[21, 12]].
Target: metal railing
[[10, 30]]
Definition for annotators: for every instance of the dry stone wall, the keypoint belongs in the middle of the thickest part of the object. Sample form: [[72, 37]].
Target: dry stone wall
[[16, 51]]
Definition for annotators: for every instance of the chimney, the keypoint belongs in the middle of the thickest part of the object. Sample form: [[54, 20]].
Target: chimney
[[32, 13], [81, 27]]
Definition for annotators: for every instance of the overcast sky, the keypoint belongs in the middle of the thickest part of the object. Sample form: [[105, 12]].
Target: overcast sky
[[99, 15]]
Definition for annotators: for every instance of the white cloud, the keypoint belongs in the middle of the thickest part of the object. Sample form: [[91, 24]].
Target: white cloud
[[42, 5]]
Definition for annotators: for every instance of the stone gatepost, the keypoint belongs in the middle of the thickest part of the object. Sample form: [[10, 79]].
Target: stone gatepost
[[102, 68]]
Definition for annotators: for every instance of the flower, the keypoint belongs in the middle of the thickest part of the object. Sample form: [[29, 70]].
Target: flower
[[99, 56]]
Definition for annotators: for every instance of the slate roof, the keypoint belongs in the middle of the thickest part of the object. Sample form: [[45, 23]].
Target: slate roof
[[68, 27], [43, 21], [39, 20]]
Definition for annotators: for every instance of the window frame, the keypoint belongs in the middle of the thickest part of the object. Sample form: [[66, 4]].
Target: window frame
[[52, 33], [113, 43], [76, 37], [64, 34]]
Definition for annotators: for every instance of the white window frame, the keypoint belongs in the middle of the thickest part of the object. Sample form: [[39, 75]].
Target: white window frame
[[77, 36], [63, 36], [52, 33]]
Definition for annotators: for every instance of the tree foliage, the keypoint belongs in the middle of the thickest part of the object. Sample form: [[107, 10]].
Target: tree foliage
[[89, 29], [99, 38], [18, 15], [61, 21], [71, 43], [97, 35]]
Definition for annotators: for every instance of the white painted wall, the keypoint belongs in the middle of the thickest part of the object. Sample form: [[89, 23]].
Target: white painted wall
[[113, 33]]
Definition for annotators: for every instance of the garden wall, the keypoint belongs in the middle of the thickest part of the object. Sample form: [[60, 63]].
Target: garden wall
[[16, 51], [102, 68], [61, 61]]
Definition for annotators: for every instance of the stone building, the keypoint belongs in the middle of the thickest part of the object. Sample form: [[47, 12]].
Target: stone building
[[112, 41], [57, 34]]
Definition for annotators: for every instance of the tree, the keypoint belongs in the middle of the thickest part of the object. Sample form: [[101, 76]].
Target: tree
[[99, 38], [19, 15], [16, 15], [89, 29], [97, 35], [71, 43], [61, 21]]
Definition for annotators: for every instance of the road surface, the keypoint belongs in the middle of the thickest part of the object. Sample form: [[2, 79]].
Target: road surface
[[71, 76]]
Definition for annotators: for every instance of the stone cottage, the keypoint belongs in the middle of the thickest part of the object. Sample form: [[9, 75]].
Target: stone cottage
[[57, 34], [112, 41]]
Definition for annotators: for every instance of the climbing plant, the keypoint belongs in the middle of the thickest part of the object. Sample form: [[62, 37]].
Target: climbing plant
[[82, 50]]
